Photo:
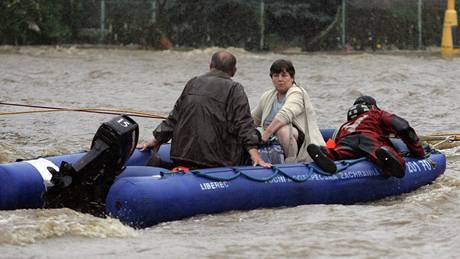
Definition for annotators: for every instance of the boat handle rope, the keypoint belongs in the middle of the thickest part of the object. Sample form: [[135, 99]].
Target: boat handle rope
[[276, 172], [239, 173]]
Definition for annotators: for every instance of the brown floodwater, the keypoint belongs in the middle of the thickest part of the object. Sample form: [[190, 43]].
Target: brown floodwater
[[421, 87]]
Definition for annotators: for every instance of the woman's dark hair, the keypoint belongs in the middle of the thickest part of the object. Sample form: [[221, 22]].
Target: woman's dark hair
[[282, 65]]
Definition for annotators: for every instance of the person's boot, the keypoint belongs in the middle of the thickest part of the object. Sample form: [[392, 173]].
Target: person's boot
[[390, 162], [321, 159]]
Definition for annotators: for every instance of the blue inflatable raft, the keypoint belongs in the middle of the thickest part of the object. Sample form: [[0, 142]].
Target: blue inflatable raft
[[143, 196]]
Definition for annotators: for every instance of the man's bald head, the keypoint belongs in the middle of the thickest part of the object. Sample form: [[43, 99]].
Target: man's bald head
[[224, 61]]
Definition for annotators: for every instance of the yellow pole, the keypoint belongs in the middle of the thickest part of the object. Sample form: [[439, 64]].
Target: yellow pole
[[450, 22]]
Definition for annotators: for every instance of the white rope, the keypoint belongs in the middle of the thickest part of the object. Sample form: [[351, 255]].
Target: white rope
[[447, 139]]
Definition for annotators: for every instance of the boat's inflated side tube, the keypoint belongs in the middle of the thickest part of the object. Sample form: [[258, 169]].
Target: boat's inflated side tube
[[156, 195], [22, 184]]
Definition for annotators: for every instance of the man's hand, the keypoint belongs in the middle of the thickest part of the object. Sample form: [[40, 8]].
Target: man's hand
[[262, 163], [256, 160], [152, 144]]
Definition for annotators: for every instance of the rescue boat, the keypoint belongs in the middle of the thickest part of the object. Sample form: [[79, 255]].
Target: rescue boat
[[142, 196]]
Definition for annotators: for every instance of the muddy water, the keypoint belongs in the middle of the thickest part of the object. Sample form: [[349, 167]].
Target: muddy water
[[421, 87]]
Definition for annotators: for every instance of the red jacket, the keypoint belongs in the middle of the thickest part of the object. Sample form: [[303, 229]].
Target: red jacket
[[378, 125]]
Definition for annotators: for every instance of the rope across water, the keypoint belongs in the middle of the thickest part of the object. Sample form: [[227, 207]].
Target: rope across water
[[89, 110]]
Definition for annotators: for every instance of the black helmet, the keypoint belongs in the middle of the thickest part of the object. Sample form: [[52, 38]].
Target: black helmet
[[366, 100], [356, 110]]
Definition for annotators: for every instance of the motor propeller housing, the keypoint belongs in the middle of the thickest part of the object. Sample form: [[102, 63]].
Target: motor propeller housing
[[84, 185]]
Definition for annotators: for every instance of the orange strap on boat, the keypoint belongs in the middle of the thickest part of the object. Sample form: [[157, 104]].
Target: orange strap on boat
[[180, 169], [330, 143]]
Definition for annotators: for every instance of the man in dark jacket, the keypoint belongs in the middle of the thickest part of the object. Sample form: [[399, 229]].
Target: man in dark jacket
[[211, 123], [366, 134]]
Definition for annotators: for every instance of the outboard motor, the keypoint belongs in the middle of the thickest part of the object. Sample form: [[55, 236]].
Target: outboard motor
[[83, 185]]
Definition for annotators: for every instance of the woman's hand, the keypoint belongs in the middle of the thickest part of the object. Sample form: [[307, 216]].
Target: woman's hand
[[272, 129], [265, 136]]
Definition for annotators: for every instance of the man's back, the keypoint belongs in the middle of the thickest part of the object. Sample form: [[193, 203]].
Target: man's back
[[210, 113], [211, 123]]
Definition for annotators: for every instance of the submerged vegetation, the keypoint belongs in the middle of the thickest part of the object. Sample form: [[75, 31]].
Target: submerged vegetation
[[251, 24]]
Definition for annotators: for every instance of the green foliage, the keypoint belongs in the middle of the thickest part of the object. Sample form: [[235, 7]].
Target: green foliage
[[188, 23], [237, 23], [383, 27], [128, 22], [432, 25], [387, 28], [213, 23], [298, 21], [32, 22], [309, 24], [291, 20], [234, 24]]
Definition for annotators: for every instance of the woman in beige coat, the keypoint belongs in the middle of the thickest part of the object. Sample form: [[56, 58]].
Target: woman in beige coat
[[287, 113]]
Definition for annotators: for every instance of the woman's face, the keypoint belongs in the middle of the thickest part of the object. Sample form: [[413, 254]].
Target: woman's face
[[282, 82]]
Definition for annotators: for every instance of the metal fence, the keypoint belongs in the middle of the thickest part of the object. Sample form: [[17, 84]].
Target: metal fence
[[404, 24], [262, 24]]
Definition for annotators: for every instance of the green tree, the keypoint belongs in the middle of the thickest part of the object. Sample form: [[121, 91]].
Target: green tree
[[32, 22]]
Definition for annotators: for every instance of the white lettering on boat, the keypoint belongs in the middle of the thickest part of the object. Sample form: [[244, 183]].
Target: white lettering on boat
[[277, 179], [213, 185], [359, 173], [42, 165], [302, 177], [418, 166], [413, 167], [322, 177], [425, 164]]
